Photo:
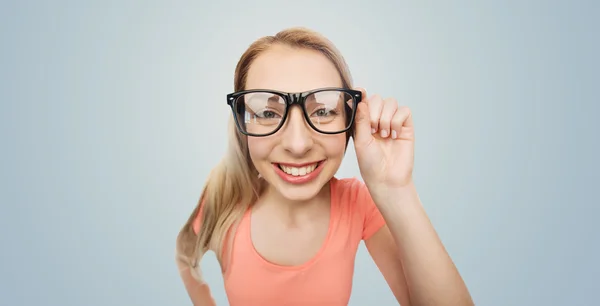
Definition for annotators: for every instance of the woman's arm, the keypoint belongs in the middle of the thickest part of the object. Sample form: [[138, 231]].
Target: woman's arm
[[199, 292], [386, 255], [420, 267]]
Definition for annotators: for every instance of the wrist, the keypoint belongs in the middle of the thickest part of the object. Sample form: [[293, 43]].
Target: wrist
[[386, 188], [384, 194]]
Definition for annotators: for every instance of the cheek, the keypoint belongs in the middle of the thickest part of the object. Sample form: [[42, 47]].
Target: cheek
[[259, 149], [335, 146]]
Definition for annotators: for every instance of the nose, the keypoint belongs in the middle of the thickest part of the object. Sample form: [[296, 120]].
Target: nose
[[296, 136]]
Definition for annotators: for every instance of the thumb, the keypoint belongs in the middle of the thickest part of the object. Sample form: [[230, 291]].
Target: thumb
[[362, 132]]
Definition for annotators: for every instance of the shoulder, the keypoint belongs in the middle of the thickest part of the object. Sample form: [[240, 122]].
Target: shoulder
[[349, 189], [350, 194], [354, 199]]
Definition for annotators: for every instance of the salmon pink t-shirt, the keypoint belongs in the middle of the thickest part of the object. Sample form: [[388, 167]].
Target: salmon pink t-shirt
[[326, 279]]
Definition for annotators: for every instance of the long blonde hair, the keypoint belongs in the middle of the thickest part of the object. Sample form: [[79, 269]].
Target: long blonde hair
[[233, 185]]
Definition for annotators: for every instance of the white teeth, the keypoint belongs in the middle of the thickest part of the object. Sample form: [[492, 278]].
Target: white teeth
[[301, 171], [298, 171]]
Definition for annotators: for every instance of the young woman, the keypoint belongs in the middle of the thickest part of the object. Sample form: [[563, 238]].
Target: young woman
[[284, 228]]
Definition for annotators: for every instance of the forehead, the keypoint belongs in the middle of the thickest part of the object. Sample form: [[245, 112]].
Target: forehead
[[292, 70]]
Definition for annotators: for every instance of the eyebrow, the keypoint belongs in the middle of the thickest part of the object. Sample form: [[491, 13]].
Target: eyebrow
[[272, 101]]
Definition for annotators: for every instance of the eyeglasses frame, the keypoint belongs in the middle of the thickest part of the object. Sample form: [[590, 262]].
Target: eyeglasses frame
[[291, 99]]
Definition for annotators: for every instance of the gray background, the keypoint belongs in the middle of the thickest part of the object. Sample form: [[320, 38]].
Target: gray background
[[113, 112]]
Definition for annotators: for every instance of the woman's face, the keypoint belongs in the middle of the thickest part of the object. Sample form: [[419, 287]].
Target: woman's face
[[283, 158]]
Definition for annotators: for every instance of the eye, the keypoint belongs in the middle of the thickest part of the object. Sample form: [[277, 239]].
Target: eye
[[324, 112], [267, 114]]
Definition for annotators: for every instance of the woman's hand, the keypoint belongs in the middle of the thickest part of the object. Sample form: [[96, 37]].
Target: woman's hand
[[384, 142]]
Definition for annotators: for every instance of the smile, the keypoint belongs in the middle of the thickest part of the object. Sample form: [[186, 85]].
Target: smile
[[298, 173]]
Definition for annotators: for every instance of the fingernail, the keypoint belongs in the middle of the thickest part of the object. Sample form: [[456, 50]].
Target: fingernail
[[384, 133], [373, 131], [394, 134]]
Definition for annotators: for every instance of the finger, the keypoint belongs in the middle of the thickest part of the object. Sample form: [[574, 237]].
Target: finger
[[402, 121], [362, 132], [389, 109], [375, 106], [363, 95], [409, 118]]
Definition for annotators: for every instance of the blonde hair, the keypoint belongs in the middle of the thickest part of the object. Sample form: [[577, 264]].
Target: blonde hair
[[233, 185]]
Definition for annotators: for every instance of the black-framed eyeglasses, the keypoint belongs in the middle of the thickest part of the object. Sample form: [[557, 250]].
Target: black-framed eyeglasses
[[262, 112]]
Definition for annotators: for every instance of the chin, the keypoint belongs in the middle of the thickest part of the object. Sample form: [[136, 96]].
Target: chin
[[299, 194]]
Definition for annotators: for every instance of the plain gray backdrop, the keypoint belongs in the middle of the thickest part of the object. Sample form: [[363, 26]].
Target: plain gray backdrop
[[113, 113]]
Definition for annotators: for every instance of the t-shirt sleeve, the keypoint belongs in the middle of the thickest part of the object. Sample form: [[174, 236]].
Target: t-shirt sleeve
[[373, 220]]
